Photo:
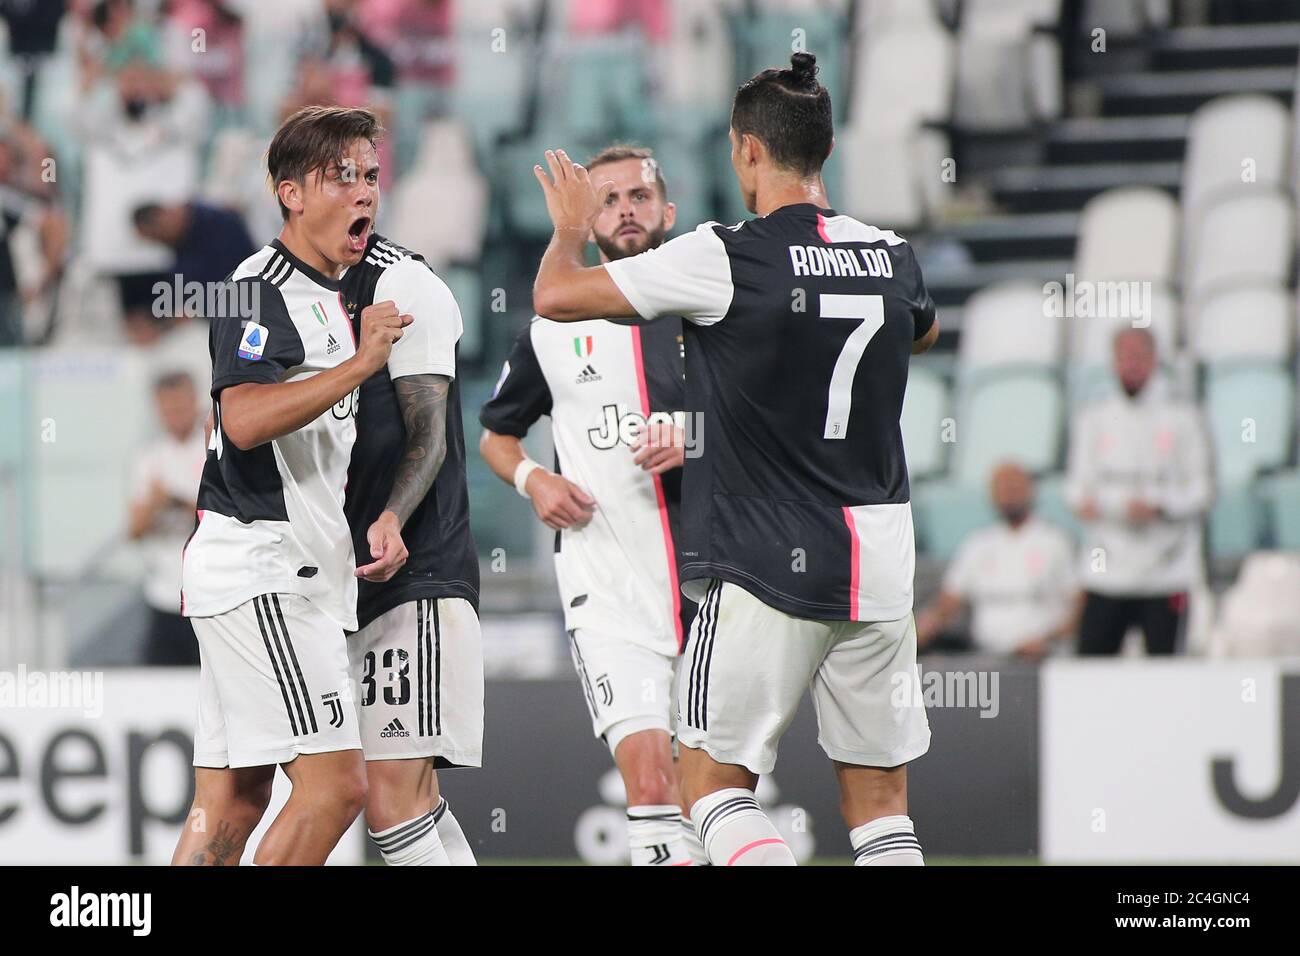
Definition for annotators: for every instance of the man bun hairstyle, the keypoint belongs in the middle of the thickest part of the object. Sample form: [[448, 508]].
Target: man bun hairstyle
[[314, 139], [790, 112]]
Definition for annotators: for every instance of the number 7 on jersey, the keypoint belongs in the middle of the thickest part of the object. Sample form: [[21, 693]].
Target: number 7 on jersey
[[869, 310]]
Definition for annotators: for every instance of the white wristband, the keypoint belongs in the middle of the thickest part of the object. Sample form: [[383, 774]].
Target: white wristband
[[522, 471]]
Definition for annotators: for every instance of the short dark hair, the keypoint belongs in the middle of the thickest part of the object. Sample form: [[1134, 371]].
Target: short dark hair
[[790, 112], [621, 151], [313, 139], [172, 379]]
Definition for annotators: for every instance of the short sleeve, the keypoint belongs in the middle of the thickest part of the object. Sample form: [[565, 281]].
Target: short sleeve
[[428, 344], [521, 395], [259, 350], [923, 310], [688, 276]]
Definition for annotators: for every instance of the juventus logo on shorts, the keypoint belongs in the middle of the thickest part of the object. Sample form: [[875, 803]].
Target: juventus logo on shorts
[[606, 690], [336, 708]]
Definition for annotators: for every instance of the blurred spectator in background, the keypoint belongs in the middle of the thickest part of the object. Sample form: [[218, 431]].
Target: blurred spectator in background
[[1140, 481], [28, 199], [165, 487], [33, 33], [205, 39], [1017, 578], [208, 241], [142, 127]]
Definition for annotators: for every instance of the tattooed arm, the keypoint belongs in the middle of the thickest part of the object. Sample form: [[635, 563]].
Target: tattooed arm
[[423, 403]]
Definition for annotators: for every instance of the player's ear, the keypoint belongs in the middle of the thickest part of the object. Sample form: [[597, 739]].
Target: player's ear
[[290, 193], [670, 216], [832, 149]]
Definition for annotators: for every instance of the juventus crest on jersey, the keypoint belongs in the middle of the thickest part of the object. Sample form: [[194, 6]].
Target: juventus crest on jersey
[[799, 332], [270, 519]]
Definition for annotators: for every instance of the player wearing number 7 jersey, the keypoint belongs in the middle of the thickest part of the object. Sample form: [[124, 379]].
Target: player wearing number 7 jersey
[[797, 527]]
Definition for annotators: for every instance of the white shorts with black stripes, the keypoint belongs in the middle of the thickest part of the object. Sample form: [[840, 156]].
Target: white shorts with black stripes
[[748, 665], [419, 674], [628, 688], [273, 684]]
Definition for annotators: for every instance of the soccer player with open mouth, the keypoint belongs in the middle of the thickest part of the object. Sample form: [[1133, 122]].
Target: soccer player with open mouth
[[268, 574], [799, 329]]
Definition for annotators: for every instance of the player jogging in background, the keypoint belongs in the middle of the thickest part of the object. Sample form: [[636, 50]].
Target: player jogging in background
[[611, 390], [418, 658], [267, 575], [797, 525]]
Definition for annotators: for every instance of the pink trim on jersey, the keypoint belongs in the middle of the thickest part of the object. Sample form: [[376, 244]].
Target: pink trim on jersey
[[749, 846], [821, 229], [346, 315], [638, 359], [855, 562]]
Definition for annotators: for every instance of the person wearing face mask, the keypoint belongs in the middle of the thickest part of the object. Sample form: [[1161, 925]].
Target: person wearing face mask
[[1140, 481], [1016, 577]]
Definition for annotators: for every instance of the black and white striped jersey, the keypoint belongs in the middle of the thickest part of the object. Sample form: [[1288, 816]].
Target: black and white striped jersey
[[443, 561], [271, 519], [600, 382], [799, 333]]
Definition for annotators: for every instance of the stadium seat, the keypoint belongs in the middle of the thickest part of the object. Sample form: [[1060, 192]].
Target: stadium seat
[[1281, 492], [1050, 504], [925, 406], [1227, 133], [1007, 324], [444, 167], [891, 14], [1248, 236], [1124, 307], [903, 81], [1250, 411], [1236, 521], [946, 511], [1126, 18], [1245, 322], [985, 410], [466, 285], [490, 89], [1128, 233], [698, 82], [1008, 73]]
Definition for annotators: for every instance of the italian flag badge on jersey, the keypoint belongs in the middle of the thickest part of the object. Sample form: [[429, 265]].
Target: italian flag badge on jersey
[[582, 346], [319, 311]]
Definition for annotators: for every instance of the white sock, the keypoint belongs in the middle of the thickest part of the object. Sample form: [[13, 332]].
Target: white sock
[[886, 841], [654, 832], [736, 832], [413, 843], [693, 845], [453, 837]]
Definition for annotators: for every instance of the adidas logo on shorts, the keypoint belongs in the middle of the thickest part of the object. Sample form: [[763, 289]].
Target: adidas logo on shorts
[[394, 729]]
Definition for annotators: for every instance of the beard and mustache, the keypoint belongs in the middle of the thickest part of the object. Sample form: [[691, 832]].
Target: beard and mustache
[[648, 239]]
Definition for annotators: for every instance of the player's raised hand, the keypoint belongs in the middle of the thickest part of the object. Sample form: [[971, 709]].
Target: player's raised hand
[[660, 447], [572, 199], [386, 548], [558, 501], [381, 326]]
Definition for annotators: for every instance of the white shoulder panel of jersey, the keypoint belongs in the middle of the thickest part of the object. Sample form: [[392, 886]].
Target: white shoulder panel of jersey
[[848, 229], [254, 264]]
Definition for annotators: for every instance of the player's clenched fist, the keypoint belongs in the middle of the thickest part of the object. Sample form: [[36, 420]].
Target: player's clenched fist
[[381, 326], [572, 199]]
